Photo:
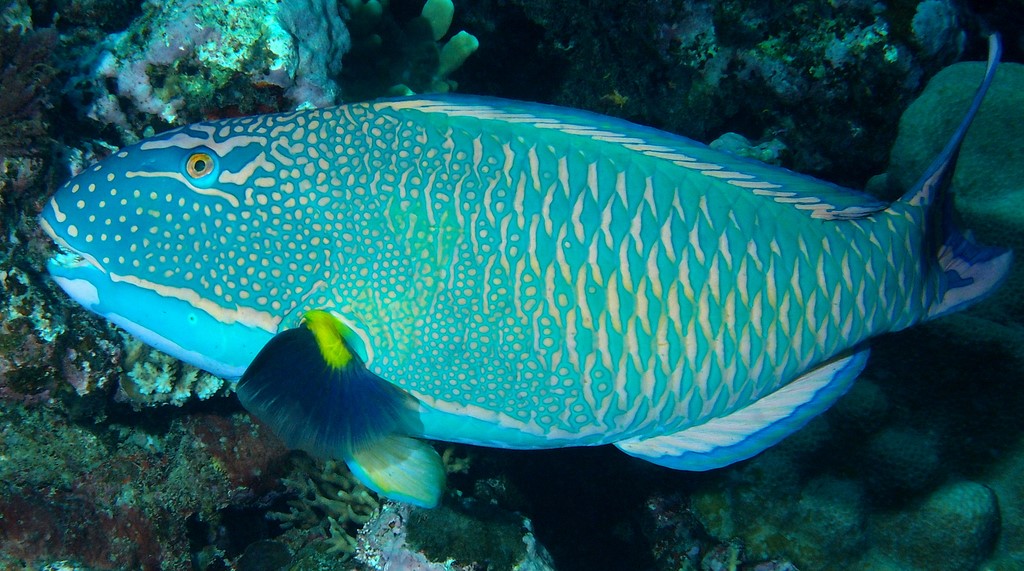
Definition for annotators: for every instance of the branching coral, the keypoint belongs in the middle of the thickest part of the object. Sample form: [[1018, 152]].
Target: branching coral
[[330, 506], [152, 377], [330, 502]]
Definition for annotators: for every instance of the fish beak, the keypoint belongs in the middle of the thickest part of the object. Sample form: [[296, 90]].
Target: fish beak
[[67, 258], [76, 272]]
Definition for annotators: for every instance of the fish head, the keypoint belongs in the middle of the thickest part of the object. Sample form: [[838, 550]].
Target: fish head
[[156, 238]]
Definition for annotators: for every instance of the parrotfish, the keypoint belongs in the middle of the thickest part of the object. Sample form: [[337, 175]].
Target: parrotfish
[[505, 274]]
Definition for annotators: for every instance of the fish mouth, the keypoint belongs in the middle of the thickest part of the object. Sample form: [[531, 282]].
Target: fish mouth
[[75, 271], [67, 257]]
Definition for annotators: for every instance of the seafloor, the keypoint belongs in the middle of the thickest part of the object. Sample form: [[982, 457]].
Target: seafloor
[[113, 456]]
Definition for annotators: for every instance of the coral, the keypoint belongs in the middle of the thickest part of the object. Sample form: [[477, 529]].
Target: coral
[[100, 15], [863, 409], [396, 56], [258, 56], [463, 538], [40, 451], [60, 497], [878, 481], [453, 54], [86, 482], [15, 15], [818, 523], [332, 515], [382, 543], [121, 499], [937, 30], [990, 167], [246, 55], [152, 377], [473, 533], [809, 76], [832, 513], [329, 506], [678, 540], [902, 460], [26, 72], [39, 347], [321, 38], [988, 175], [770, 152], [29, 368], [249, 456], [1008, 485], [264, 555]]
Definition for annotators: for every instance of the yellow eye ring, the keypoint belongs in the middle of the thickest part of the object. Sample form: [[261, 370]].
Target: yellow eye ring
[[199, 165]]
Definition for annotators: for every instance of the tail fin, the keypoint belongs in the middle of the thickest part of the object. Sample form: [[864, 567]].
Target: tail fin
[[968, 272]]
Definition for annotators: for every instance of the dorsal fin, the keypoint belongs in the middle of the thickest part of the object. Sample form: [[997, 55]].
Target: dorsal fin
[[818, 198]]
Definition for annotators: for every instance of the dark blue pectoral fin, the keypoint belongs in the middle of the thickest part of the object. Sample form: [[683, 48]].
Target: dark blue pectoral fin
[[336, 408], [754, 428]]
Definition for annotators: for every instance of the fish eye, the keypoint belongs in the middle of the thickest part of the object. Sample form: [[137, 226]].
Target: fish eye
[[199, 165]]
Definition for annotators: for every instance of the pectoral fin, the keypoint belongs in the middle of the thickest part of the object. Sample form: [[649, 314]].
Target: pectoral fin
[[314, 391], [402, 468]]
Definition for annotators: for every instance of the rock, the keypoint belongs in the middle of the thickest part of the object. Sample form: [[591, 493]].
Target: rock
[[955, 528], [901, 460], [1007, 483], [862, 409]]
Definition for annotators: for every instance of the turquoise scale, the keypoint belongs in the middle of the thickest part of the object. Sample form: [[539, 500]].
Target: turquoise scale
[[538, 241]]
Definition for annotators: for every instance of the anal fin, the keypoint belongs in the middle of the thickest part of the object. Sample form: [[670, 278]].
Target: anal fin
[[750, 430]]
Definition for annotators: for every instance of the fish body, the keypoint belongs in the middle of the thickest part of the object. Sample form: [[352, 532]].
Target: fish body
[[530, 276]]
